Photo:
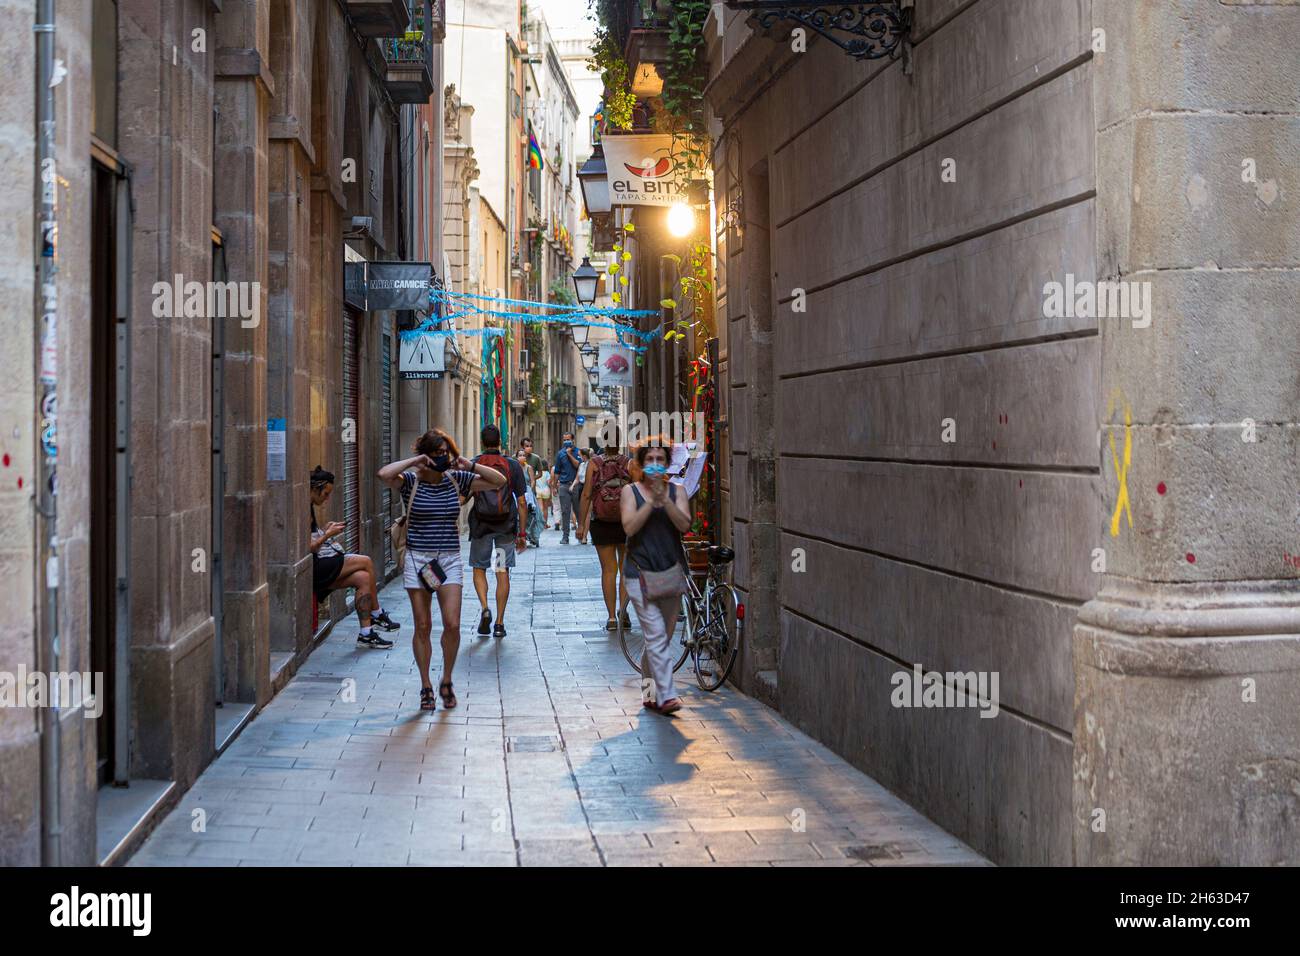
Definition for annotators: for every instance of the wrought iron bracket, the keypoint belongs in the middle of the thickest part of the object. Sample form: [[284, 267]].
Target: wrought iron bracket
[[865, 31]]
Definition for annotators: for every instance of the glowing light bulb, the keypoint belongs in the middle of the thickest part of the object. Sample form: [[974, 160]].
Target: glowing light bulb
[[681, 219]]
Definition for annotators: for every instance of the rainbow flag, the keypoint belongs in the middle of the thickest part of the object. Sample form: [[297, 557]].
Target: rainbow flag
[[534, 153]]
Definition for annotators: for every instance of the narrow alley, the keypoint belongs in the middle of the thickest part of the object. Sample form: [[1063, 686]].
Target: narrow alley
[[547, 760]]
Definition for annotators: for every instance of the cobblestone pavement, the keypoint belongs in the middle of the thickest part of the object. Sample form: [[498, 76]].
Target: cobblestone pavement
[[548, 760]]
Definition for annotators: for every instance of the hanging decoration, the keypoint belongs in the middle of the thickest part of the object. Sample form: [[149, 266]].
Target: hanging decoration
[[492, 392], [453, 305]]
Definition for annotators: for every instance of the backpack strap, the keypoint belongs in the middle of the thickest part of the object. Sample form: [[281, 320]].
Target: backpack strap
[[410, 496]]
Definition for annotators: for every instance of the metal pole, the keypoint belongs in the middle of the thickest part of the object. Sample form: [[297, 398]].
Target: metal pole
[[47, 363]]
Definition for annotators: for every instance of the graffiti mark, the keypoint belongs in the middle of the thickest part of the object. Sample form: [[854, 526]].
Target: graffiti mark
[[1122, 505]]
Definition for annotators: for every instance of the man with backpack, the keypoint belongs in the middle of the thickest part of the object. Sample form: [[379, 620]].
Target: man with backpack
[[495, 529]]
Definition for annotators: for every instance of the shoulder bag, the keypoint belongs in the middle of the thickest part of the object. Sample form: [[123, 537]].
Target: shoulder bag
[[397, 533]]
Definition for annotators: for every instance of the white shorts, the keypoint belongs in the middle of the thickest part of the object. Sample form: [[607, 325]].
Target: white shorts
[[414, 560]]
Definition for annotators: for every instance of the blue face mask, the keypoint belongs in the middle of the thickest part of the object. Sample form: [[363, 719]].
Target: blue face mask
[[655, 470], [441, 462]]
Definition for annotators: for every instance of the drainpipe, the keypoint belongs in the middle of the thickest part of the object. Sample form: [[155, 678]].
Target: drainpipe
[[47, 239]]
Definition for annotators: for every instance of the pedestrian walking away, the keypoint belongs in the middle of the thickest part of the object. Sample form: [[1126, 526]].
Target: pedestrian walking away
[[535, 465], [545, 483], [332, 569], [567, 464], [576, 492], [496, 529], [655, 514], [533, 523], [600, 513], [432, 482]]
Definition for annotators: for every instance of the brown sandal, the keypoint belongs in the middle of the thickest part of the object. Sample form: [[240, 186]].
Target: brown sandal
[[426, 699], [448, 696]]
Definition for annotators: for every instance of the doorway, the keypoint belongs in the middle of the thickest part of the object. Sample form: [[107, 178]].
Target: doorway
[[110, 632], [103, 451]]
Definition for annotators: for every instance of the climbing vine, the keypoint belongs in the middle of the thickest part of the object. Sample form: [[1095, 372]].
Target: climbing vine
[[607, 60], [536, 371], [687, 70]]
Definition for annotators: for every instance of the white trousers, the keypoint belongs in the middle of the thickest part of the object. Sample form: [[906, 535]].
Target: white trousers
[[658, 620]]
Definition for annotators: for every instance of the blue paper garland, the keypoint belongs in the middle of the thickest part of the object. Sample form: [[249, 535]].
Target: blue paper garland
[[571, 316]]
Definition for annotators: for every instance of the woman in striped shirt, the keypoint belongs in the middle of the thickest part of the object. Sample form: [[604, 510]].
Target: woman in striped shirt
[[433, 483]]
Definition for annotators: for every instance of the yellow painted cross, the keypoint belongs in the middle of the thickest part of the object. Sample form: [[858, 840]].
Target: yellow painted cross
[[1121, 474]]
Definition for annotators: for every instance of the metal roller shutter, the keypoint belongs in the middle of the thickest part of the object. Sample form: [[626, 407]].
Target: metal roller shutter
[[351, 386]]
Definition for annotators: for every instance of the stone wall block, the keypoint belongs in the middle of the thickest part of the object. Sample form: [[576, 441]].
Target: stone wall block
[[1205, 505], [1195, 55]]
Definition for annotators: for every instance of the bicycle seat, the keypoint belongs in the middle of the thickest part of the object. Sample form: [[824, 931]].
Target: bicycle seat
[[720, 555]]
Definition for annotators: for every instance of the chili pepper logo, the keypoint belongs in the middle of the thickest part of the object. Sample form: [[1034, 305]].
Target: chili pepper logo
[[651, 172]]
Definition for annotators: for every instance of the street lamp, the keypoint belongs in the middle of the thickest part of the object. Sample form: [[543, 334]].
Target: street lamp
[[594, 181], [585, 280], [681, 219]]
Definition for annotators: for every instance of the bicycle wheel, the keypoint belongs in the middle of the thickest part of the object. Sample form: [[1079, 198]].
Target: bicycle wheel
[[717, 638], [633, 640]]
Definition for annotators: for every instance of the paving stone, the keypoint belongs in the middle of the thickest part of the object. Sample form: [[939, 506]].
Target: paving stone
[[549, 760]]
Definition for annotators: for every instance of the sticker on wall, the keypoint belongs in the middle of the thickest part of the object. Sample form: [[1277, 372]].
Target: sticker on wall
[[276, 445]]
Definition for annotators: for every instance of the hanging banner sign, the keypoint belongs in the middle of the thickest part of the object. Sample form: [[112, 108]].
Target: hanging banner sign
[[422, 356], [641, 172], [354, 284], [398, 285], [615, 364]]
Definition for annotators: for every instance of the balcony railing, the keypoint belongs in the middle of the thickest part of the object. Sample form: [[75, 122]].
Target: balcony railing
[[408, 60], [379, 18], [562, 399], [519, 392]]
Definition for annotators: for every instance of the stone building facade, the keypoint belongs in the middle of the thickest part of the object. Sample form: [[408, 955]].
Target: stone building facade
[[198, 142], [931, 467]]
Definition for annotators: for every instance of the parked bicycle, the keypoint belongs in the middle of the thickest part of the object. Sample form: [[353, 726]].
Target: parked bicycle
[[710, 627]]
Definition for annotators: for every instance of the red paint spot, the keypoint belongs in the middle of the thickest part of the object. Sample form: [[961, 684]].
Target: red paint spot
[[20, 482], [6, 460], [1022, 482], [1191, 558], [1160, 488]]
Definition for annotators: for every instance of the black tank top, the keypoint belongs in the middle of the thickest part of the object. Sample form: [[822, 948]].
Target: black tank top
[[658, 545]]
